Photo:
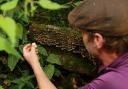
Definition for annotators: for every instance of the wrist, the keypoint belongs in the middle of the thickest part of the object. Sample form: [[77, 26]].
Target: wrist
[[37, 69], [35, 64]]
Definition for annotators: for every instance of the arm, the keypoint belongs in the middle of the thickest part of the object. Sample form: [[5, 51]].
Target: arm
[[29, 52]]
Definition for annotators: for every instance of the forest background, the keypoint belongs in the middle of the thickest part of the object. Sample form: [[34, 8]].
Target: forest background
[[62, 54]]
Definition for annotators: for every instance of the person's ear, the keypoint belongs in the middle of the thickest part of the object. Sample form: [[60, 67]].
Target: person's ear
[[98, 40]]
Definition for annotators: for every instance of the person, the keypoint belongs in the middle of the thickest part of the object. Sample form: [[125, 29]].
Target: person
[[104, 24]]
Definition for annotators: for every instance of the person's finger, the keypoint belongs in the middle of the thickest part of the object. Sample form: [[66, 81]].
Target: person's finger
[[27, 48], [34, 44], [33, 48], [37, 51]]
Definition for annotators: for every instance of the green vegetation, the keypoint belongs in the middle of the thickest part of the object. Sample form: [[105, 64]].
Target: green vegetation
[[15, 17]]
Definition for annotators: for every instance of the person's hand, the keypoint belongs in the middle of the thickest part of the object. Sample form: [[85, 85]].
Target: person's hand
[[30, 53]]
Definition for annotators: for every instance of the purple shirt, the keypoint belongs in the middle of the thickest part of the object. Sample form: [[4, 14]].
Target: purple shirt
[[115, 76]]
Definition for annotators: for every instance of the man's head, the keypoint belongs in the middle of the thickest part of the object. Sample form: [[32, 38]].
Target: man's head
[[104, 24]]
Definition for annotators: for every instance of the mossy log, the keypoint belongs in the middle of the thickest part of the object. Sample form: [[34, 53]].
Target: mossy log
[[68, 40]]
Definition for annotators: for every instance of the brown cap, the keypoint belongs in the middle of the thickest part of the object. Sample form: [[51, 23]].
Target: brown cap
[[109, 16]]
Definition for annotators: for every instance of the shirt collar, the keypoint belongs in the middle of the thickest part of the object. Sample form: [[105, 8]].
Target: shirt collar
[[120, 61]]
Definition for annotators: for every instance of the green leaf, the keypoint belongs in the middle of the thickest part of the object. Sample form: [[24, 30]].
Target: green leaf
[[57, 72], [25, 38], [5, 46], [33, 9], [48, 4], [12, 61], [42, 51], [9, 5], [8, 25], [1, 87], [24, 81], [77, 3], [49, 70], [21, 48], [19, 30], [54, 59]]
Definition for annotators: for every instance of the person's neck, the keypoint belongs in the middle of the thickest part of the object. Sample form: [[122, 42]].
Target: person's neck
[[107, 58]]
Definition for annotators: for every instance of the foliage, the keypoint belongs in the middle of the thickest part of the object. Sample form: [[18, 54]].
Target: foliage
[[50, 5], [10, 27], [1, 87], [9, 5], [12, 61], [23, 81], [54, 59], [14, 15], [49, 70], [14, 18], [48, 61]]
